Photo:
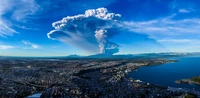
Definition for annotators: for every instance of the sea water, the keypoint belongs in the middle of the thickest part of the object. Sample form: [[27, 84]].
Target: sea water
[[167, 74]]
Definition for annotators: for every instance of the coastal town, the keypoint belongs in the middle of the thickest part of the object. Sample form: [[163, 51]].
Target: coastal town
[[80, 78]]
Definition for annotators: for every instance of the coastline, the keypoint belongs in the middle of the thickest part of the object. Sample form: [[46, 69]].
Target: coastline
[[191, 81]]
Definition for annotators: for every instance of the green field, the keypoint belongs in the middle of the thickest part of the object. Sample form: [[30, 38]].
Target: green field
[[196, 80]]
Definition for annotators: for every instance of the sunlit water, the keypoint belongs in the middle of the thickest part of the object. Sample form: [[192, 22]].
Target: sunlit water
[[167, 74], [35, 95]]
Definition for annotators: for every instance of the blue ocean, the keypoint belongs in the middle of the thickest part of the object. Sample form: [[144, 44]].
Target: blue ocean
[[167, 74]]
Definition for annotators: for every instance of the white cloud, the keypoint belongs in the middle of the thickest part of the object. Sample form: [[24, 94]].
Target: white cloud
[[5, 47], [176, 40], [164, 27], [5, 29], [175, 35], [33, 46], [18, 10], [79, 30], [184, 11]]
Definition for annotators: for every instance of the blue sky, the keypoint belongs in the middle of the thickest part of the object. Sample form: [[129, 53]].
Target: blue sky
[[134, 26]]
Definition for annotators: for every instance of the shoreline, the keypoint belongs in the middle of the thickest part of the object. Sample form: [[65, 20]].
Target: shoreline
[[191, 81]]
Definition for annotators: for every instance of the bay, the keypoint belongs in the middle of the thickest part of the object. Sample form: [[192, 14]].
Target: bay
[[167, 74]]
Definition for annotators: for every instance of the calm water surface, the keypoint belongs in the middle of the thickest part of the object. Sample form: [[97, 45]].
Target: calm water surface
[[167, 74], [35, 95]]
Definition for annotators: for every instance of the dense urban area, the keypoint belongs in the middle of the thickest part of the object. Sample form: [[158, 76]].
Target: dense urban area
[[81, 78]]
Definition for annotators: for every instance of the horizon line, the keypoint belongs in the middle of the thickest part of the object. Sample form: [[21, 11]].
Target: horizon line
[[98, 54]]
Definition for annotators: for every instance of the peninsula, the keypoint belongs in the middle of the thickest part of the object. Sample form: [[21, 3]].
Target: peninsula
[[193, 80]]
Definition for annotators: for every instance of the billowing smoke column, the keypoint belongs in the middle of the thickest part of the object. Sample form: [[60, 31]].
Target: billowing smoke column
[[90, 31], [101, 37], [105, 46]]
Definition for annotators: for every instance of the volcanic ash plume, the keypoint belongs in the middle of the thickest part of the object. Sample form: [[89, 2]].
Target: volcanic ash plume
[[105, 46], [101, 38], [90, 31]]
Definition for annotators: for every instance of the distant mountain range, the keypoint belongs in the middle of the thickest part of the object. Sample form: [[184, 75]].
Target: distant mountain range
[[144, 55], [119, 56]]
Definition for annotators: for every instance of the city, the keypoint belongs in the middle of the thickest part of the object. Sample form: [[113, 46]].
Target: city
[[21, 77]]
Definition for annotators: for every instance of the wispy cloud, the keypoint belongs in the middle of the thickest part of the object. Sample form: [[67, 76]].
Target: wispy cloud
[[5, 47], [184, 11], [5, 29], [20, 9], [16, 10], [175, 34], [177, 40], [165, 26], [31, 45]]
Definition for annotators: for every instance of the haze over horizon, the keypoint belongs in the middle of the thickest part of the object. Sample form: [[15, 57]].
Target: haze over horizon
[[64, 27]]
